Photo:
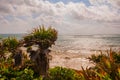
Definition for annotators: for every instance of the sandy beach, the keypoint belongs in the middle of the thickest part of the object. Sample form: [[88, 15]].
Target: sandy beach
[[69, 60]]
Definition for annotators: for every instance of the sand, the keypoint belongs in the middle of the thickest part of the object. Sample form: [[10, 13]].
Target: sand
[[69, 60]]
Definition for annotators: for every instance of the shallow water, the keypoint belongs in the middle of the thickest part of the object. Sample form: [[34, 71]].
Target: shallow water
[[87, 44]]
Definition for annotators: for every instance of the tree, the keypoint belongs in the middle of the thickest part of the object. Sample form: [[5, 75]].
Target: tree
[[43, 38]]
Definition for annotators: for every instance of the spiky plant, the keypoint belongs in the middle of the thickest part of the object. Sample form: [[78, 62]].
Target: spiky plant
[[9, 44], [107, 67], [96, 58], [44, 38]]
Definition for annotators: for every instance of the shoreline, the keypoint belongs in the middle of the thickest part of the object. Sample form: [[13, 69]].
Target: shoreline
[[74, 60], [69, 60]]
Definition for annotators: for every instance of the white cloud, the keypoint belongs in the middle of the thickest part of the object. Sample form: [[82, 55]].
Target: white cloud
[[3, 21], [113, 3], [5, 9], [65, 17]]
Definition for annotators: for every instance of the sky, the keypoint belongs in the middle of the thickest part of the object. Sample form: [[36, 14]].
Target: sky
[[66, 16]]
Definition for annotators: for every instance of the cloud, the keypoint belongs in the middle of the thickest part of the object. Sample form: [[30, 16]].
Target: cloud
[[3, 21], [113, 3], [5, 8], [22, 15]]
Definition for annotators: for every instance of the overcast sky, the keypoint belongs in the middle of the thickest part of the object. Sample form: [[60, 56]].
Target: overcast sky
[[67, 16]]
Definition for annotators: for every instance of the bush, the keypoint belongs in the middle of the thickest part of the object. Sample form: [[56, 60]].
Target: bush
[[8, 72], [42, 37], [107, 67], [96, 58], [9, 44], [112, 55], [60, 73]]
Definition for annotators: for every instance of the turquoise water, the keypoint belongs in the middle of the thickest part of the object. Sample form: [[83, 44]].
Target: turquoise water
[[81, 43]]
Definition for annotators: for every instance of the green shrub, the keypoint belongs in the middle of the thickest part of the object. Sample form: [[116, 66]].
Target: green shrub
[[7, 72], [116, 57], [107, 67], [42, 37], [60, 73], [10, 44], [112, 55], [96, 58]]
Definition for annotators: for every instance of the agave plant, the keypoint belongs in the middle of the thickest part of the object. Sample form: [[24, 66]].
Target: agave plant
[[43, 38]]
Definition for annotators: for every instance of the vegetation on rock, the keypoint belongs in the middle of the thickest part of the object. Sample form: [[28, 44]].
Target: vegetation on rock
[[39, 61]]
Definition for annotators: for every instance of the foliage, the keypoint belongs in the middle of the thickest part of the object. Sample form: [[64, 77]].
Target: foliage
[[1, 50], [116, 57], [110, 55], [59, 73], [42, 37], [9, 44], [96, 58], [0, 37], [107, 67], [9, 72]]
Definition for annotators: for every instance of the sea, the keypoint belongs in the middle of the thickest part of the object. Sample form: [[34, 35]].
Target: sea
[[81, 44]]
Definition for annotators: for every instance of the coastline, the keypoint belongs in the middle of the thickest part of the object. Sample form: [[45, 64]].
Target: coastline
[[69, 60], [74, 60]]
